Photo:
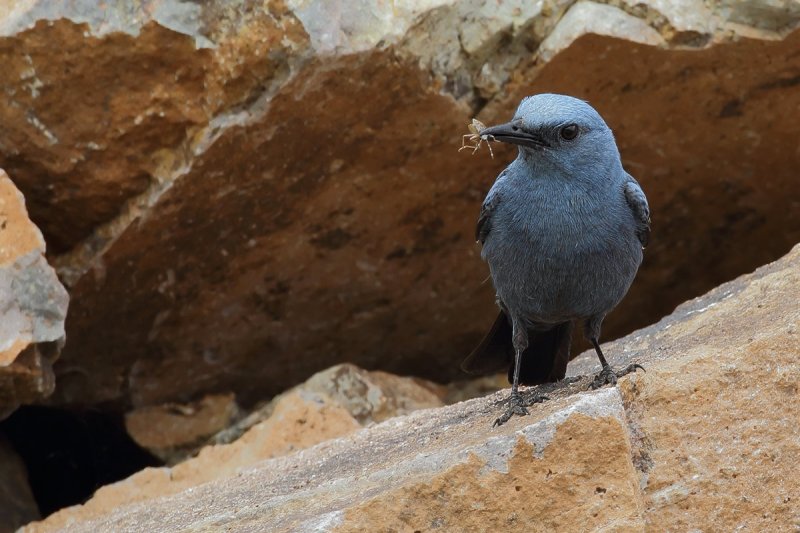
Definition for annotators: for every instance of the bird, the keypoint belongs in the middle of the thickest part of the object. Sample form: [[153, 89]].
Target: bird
[[562, 229]]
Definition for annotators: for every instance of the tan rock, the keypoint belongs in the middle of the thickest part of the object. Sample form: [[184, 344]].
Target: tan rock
[[443, 459], [33, 305], [775, 15], [714, 419], [688, 21], [169, 430], [281, 190], [331, 404], [706, 439], [367, 397], [175, 432], [374, 396]]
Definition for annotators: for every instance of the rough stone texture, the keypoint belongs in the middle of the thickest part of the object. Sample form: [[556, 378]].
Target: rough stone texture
[[403, 464], [707, 439], [598, 19], [242, 194], [714, 420], [171, 431], [330, 404], [177, 432], [101, 103], [33, 305], [17, 506]]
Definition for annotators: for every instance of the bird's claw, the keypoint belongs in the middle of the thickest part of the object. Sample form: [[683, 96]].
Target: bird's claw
[[535, 398], [608, 376], [517, 406], [630, 368]]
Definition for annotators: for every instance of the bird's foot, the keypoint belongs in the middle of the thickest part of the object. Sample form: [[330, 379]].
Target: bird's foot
[[534, 398], [608, 376], [517, 406]]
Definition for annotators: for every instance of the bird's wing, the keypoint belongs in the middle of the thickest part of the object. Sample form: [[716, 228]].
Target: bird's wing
[[485, 218], [638, 204]]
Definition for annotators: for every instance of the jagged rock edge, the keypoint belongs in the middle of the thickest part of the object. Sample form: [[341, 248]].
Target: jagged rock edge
[[87, 255]]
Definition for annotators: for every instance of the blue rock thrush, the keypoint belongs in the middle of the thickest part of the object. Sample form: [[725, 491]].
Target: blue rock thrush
[[562, 229]]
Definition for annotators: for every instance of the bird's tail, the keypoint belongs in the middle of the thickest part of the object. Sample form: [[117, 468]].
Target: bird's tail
[[544, 361]]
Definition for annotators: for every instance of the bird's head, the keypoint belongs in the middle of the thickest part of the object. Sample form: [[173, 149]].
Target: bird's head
[[561, 133]]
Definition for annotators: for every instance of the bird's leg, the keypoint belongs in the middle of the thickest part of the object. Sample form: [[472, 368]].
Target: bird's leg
[[607, 376], [516, 405]]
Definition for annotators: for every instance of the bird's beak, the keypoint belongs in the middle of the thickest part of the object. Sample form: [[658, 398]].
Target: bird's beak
[[513, 133]]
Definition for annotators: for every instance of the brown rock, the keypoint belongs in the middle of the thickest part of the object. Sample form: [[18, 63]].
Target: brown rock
[[281, 190], [172, 429], [33, 305], [706, 199], [706, 439], [17, 506], [98, 117]]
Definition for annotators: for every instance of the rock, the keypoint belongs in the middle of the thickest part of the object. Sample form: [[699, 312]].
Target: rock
[[375, 396], [330, 404], [706, 438], [700, 196], [775, 15], [177, 432], [598, 19], [714, 419], [281, 190], [172, 431], [33, 305], [17, 506]]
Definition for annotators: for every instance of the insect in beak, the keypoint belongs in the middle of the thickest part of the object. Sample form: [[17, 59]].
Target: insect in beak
[[476, 136]]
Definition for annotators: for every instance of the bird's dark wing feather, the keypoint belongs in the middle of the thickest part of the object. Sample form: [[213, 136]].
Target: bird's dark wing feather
[[543, 361], [485, 218], [638, 204]]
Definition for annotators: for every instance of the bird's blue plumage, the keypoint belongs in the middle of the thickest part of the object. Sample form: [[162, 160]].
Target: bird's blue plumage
[[563, 227], [563, 240]]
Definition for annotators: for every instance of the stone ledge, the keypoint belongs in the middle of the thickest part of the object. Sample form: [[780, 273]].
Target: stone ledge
[[707, 438]]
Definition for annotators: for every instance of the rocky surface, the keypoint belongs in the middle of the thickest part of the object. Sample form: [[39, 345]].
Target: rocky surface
[[330, 404], [33, 305], [173, 431], [177, 432], [240, 195], [706, 439]]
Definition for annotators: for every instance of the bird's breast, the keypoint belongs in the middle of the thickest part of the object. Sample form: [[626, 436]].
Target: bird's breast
[[566, 254]]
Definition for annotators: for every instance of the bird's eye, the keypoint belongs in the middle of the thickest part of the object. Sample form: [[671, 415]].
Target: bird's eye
[[569, 132]]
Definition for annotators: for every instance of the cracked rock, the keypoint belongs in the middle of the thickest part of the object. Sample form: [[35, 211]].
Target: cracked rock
[[33, 306]]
